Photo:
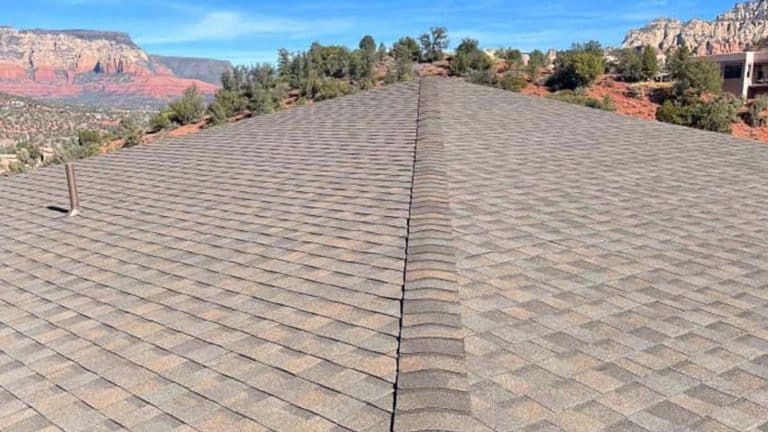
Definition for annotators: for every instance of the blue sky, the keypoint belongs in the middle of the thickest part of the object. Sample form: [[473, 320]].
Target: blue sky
[[249, 31]]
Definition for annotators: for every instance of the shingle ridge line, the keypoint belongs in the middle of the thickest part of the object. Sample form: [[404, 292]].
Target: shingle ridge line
[[417, 352]]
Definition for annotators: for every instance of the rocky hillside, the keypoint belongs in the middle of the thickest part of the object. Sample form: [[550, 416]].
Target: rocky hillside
[[207, 70], [736, 30], [85, 66]]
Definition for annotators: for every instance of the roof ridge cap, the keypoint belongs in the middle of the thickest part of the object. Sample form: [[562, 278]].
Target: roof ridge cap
[[430, 293]]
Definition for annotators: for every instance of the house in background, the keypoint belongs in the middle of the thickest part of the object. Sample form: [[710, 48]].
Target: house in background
[[745, 74]]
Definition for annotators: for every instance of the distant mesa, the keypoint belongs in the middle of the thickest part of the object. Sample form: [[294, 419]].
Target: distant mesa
[[96, 67], [743, 27]]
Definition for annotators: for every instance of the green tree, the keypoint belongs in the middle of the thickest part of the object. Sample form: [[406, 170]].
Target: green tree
[[630, 65], [381, 54], [433, 44], [403, 67], [650, 62], [469, 57], [367, 44], [678, 61], [189, 108], [407, 47], [699, 76], [578, 67]]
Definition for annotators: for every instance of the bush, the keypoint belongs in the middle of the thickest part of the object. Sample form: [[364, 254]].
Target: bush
[[630, 65], [190, 108], [328, 88], [89, 142], [670, 112], [469, 57], [579, 98], [130, 132], [755, 114], [717, 115], [636, 92], [578, 67], [700, 76], [536, 60], [160, 121], [512, 57], [694, 76], [406, 48], [484, 77], [512, 82]]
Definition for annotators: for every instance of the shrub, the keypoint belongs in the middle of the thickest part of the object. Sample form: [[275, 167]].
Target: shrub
[[670, 112], [608, 104], [226, 104], [160, 121], [579, 98], [717, 115], [636, 92], [402, 70], [190, 108], [89, 142], [755, 114], [694, 76], [329, 88], [578, 67], [536, 60], [469, 57], [130, 132], [630, 65], [700, 76], [218, 113], [28, 155], [512, 57], [511, 81], [484, 77], [406, 48]]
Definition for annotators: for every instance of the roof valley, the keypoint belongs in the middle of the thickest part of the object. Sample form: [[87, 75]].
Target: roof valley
[[432, 387]]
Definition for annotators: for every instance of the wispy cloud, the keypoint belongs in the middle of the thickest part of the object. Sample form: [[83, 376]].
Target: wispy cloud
[[227, 25]]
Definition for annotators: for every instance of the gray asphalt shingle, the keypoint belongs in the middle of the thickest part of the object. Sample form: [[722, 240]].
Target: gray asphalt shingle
[[431, 256]]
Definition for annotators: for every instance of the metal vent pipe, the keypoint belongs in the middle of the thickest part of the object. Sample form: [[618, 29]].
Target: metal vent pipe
[[74, 200]]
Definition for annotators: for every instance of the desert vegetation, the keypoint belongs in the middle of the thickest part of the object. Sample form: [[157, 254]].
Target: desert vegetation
[[694, 97], [319, 73], [34, 133], [585, 74]]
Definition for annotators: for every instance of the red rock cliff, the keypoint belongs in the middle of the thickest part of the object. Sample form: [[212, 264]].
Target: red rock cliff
[[44, 63]]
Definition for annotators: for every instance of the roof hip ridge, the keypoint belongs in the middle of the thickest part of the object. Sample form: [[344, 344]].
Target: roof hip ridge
[[432, 387]]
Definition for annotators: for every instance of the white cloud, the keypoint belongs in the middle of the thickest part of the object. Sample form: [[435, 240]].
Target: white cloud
[[226, 25]]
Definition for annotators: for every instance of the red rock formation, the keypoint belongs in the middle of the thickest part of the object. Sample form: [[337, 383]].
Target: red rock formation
[[69, 64]]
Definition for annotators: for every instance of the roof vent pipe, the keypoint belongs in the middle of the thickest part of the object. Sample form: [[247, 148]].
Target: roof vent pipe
[[74, 201]]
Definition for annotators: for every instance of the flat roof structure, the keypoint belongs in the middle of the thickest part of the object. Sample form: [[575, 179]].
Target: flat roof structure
[[435, 255]]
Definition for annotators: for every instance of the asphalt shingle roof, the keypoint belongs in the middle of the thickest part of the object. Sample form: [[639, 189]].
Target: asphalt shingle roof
[[431, 256]]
